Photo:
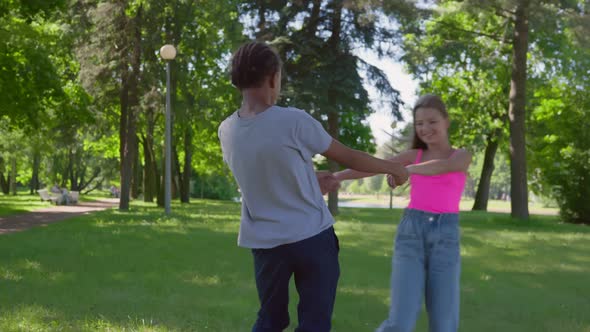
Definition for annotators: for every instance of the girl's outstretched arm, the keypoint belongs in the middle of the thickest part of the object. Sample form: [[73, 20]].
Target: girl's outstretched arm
[[364, 162], [404, 158], [458, 162]]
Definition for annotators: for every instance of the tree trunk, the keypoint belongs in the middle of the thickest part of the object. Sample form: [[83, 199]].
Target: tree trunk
[[135, 184], [261, 34], [483, 187], [149, 176], [129, 141], [69, 171], [35, 176], [124, 149], [314, 19], [517, 114], [185, 189], [123, 143], [127, 163], [333, 130], [391, 199], [13, 175], [333, 116], [4, 180], [150, 171], [176, 175], [160, 180], [202, 186]]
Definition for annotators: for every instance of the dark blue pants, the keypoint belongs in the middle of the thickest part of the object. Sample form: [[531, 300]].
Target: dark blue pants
[[314, 263]]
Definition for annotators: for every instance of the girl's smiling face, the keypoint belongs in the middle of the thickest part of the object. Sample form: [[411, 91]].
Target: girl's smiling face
[[431, 126]]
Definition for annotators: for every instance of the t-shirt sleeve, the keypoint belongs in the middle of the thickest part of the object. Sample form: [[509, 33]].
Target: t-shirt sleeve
[[311, 136], [220, 136]]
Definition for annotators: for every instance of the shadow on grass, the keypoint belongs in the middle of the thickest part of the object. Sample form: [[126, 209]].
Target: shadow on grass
[[11, 210]]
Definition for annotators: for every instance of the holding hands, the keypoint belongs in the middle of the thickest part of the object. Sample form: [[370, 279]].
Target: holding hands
[[398, 176], [328, 182]]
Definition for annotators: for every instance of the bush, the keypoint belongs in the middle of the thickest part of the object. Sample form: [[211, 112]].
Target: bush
[[571, 185], [560, 146], [214, 186]]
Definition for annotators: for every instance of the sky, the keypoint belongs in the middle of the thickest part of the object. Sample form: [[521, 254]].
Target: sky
[[380, 121]]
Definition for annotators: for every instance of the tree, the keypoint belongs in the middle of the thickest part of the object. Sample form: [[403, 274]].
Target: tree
[[201, 93], [316, 40], [560, 111], [28, 79], [111, 62], [506, 24]]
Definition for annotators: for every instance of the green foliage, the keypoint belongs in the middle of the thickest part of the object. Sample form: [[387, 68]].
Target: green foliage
[[455, 57], [560, 145], [204, 34], [500, 181], [29, 80], [214, 186], [375, 183], [562, 149], [353, 186]]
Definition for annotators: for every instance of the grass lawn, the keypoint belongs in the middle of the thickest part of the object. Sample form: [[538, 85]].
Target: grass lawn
[[141, 271], [466, 204], [21, 203], [25, 202]]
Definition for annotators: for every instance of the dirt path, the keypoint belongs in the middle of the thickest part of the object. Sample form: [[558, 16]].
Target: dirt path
[[21, 222]]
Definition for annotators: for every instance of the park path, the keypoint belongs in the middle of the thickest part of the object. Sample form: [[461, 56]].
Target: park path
[[45, 216]]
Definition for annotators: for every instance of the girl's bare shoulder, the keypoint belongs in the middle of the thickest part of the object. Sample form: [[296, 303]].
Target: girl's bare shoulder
[[406, 157]]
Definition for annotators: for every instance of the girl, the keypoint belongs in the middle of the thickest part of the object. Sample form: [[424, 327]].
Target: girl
[[285, 221], [426, 259]]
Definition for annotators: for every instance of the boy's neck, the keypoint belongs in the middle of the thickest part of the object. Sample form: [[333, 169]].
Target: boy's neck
[[255, 101]]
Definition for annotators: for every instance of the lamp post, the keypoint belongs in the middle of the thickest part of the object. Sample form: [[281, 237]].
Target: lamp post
[[168, 53]]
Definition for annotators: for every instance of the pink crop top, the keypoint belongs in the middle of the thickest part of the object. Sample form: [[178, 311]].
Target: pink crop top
[[436, 193]]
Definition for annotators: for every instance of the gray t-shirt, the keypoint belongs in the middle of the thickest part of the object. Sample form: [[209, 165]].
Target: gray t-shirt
[[270, 156]]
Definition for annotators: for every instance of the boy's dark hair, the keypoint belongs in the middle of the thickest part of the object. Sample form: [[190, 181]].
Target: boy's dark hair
[[252, 63], [427, 101]]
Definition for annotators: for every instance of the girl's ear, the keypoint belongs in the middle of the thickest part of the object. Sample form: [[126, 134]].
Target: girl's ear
[[448, 123]]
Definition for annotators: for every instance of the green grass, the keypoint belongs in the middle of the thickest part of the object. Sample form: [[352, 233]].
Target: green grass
[[25, 202], [142, 271], [21, 203], [466, 204]]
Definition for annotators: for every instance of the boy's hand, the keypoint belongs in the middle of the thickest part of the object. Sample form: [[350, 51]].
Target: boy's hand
[[400, 174], [328, 182]]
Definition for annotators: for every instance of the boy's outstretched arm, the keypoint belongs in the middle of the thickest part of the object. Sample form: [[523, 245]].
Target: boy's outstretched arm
[[405, 158], [364, 162]]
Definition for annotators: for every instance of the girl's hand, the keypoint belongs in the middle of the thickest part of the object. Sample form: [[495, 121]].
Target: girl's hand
[[327, 181]]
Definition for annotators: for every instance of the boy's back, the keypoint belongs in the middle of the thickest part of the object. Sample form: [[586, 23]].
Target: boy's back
[[270, 156]]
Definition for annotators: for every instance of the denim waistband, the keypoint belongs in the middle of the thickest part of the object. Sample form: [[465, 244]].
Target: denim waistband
[[419, 214]]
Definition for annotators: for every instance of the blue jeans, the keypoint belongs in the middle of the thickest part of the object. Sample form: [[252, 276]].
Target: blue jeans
[[426, 263], [314, 263]]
